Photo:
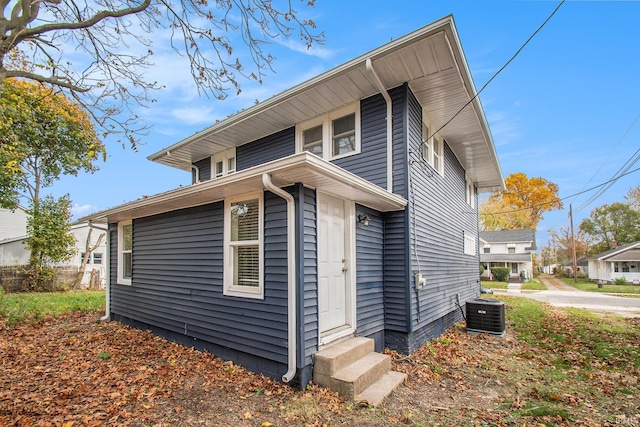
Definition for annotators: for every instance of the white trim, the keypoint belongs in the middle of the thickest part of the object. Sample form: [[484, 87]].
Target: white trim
[[223, 157], [326, 120], [304, 168], [121, 280], [469, 244], [229, 288]]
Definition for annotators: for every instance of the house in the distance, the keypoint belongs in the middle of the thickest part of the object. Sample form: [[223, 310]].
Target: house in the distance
[[513, 249], [618, 262], [13, 252], [338, 216]]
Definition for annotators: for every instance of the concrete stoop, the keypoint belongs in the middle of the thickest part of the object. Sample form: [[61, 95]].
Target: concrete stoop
[[355, 371]]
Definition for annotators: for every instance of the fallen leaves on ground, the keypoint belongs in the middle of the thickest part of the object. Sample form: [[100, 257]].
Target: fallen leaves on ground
[[77, 371]]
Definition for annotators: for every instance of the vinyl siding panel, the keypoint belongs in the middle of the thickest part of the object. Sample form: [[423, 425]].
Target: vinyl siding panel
[[204, 166], [310, 275], [396, 255], [177, 281], [370, 274], [266, 149], [438, 208], [371, 162]]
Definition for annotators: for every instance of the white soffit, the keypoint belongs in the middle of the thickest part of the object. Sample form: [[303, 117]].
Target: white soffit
[[430, 60], [304, 168]]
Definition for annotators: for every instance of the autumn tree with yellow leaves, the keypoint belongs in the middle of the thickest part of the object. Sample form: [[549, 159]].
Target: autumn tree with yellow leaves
[[43, 135], [521, 205]]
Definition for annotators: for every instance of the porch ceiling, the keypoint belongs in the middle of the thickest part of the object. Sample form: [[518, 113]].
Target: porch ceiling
[[304, 168], [431, 60], [505, 257]]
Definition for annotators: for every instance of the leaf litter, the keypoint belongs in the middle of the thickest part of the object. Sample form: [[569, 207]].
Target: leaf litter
[[77, 371]]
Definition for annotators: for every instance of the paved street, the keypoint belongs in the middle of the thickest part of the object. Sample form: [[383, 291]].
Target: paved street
[[562, 295]]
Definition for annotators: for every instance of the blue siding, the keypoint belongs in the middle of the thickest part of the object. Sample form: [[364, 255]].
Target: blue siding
[[204, 166], [370, 308], [441, 218], [266, 149], [177, 284], [310, 275], [371, 162]]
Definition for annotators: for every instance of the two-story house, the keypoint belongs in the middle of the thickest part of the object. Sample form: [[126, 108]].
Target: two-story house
[[343, 207], [513, 249]]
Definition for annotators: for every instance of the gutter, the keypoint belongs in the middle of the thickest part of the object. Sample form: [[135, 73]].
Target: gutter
[[291, 274], [107, 243], [387, 99]]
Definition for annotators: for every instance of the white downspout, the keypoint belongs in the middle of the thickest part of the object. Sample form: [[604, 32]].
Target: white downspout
[[387, 98], [197, 171], [291, 273]]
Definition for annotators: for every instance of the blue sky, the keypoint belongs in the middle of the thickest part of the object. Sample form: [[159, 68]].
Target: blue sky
[[560, 110]]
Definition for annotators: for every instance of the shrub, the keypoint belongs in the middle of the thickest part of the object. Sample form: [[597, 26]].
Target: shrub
[[481, 270], [620, 281], [501, 274], [41, 279]]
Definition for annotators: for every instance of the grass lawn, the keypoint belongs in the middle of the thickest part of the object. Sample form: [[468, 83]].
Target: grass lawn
[[22, 307], [554, 367], [586, 285], [531, 285], [494, 285]]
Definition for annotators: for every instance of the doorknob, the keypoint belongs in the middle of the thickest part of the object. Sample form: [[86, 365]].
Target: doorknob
[[344, 269]]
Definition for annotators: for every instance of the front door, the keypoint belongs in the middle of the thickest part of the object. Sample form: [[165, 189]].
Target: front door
[[334, 297]]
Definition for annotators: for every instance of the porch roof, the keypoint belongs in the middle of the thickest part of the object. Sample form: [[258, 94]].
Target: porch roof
[[616, 252], [505, 257], [304, 168], [430, 60]]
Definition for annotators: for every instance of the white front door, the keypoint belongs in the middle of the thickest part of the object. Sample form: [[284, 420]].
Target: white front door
[[334, 293]]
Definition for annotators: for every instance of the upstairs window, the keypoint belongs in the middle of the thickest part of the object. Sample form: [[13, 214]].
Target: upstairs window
[[333, 135], [243, 241], [469, 244], [511, 250], [486, 250], [125, 252], [223, 163], [471, 193], [432, 148]]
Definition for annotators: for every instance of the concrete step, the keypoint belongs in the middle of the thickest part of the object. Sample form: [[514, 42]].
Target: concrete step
[[340, 355], [358, 376], [376, 392]]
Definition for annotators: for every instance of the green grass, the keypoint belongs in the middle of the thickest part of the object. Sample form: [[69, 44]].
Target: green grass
[[534, 285], [586, 285], [17, 308], [494, 285]]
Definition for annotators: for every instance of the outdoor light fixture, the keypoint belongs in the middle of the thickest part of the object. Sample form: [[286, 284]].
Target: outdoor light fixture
[[363, 219]]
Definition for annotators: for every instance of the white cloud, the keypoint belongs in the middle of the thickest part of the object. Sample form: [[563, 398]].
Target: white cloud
[[80, 210], [300, 47]]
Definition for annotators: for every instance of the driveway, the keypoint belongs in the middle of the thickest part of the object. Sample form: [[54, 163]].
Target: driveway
[[562, 295]]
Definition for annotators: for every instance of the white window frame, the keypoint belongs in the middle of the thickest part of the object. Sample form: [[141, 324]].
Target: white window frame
[[224, 157], [101, 255], [469, 244], [326, 121], [121, 251], [432, 147], [229, 288], [471, 193]]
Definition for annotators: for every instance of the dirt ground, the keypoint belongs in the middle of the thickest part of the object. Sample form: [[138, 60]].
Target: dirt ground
[[78, 371]]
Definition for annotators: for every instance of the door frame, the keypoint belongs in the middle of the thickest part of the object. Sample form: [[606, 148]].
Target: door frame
[[350, 275]]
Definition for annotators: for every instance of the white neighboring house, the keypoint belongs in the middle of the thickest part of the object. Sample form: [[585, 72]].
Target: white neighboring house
[[508, 248], [619, 261], [13, 230]]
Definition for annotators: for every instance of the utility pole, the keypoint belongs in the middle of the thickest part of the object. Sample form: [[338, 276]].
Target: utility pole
[[573, 244]]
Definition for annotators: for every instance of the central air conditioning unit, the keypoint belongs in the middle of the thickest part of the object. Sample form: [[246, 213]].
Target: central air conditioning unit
[[485, 316]]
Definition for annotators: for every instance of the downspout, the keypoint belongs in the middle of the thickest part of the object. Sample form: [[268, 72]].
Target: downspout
[[107, 244], [197, 171], [387, 99], [291, 273]]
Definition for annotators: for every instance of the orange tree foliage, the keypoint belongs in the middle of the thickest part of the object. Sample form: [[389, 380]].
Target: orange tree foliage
[[42, 135], [521, 204]]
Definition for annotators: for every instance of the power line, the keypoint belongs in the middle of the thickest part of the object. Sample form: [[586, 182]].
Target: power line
[[611, 153], [501, 68], [566, 197]]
